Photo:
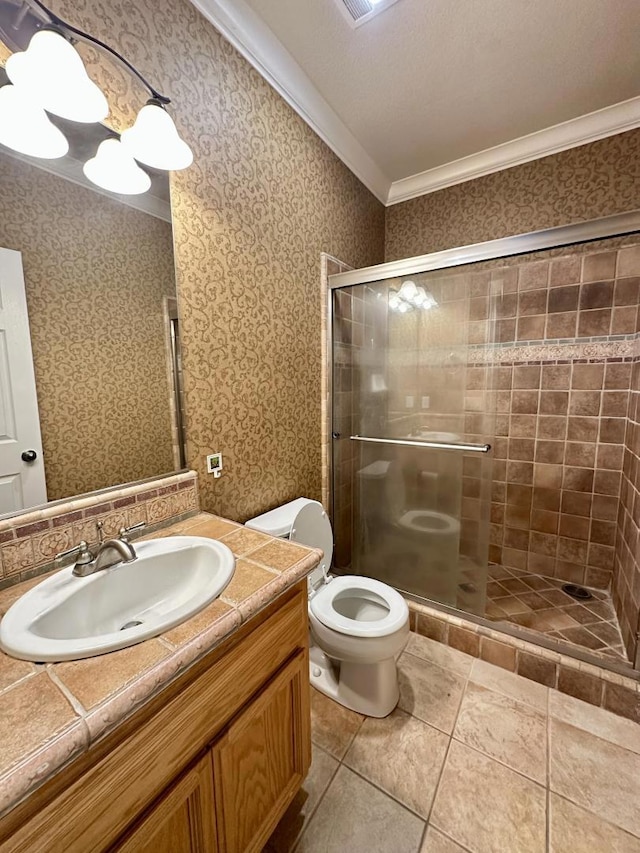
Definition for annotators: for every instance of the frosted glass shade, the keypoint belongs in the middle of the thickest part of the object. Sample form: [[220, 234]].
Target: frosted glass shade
[[25, 127], [53, 73], [408, 290], [115, 170], [154, 140]]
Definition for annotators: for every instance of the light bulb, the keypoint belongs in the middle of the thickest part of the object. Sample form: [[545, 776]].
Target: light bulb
[[53, 73], [408, 290], [394, 300], [25, 127], [154, 140], [115, 170], [429, 302], [420, 297], [404, 307]]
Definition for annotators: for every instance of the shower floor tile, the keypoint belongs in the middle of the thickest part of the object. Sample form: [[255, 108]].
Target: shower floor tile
[[539, 604]]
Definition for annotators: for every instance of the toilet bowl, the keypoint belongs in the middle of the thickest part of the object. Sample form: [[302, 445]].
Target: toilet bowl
[[358, 625]]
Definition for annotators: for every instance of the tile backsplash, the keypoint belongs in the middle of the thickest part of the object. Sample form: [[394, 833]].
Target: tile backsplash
[[30, 541]]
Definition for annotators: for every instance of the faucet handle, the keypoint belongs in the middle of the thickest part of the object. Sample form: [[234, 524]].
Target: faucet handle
[[122, 533], [81, 549]]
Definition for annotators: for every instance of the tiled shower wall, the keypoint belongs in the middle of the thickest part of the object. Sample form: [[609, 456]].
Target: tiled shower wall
[[566, 472], [360, 335], [562, 377], [558, 458], [626, 574]]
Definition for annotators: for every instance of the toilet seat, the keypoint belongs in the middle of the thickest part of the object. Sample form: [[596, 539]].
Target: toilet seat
[[429, 521], [311, 527], [343, 590]]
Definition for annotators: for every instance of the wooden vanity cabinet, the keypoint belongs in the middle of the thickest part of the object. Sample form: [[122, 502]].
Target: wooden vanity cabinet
[[209, 766], [183, 821], [260, 763]]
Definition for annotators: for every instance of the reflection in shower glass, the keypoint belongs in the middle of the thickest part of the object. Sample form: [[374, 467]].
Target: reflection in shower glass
[[409, 361]]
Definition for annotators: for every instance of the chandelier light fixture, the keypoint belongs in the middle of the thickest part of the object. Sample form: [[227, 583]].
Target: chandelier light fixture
[[115, 170], [411, 297], [47, 77]]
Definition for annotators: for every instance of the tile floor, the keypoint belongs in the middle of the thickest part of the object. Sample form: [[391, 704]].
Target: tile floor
[[474, 759], [539, 604]]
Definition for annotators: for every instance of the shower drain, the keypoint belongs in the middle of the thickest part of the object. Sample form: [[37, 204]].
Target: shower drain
[[131, 624], [578, 592]]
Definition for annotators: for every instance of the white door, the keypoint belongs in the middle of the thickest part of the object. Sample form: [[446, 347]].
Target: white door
[[22, 481]]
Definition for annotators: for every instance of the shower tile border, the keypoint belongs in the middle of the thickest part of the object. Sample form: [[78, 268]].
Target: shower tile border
[[625, 347], [594, 684]]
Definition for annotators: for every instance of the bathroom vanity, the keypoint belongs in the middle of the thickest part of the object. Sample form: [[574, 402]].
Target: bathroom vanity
[[211, 760]]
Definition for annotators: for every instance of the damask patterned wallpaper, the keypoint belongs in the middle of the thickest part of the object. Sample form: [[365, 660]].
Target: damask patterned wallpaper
[[264, 198], [95, 273], [583, 183]]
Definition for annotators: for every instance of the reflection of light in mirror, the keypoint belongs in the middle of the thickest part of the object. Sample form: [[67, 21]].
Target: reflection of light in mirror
[[25, 127]]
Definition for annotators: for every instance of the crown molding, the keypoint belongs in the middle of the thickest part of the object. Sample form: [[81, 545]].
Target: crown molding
[[248, 33], [608, 121], [251, 37]]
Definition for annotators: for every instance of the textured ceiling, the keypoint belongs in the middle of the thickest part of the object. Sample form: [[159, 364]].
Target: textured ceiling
[[429, 81]]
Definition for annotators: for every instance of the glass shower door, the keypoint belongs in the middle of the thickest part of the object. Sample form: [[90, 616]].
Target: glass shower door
[[412, 423]]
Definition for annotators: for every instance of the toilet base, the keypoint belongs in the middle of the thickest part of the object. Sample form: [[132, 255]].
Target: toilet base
[[368, 688]]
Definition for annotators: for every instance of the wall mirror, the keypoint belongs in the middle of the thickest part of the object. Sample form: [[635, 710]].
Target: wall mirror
[[87, 310]]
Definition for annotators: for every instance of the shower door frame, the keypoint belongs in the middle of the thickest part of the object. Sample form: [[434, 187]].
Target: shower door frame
[[616, 225]]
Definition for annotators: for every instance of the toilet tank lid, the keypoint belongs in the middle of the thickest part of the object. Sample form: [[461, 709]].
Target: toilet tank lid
[[278, 521]]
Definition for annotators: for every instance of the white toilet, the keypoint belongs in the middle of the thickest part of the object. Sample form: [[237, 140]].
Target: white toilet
[[358, 625]]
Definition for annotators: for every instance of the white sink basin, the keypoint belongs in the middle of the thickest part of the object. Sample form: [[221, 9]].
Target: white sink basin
[[67, 618]]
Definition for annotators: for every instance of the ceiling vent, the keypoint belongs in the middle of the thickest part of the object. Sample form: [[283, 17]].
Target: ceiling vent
[[358, 12]]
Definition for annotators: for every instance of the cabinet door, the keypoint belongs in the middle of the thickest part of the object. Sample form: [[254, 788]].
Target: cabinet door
[[183, 821], [261, 761]]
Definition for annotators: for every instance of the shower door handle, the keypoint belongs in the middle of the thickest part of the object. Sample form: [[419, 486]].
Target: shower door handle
[[434, 445]]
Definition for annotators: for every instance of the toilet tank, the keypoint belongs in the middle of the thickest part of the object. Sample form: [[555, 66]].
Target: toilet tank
[[278, 521], [314, 531]]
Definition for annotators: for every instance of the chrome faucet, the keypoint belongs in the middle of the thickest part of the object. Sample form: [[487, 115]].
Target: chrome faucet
[[108, 554]]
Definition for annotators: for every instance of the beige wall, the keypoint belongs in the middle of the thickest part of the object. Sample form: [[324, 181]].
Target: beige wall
[[95, 273], [586, 182], [264, 198]]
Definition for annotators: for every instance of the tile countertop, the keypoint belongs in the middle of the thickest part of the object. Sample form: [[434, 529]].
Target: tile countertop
[[51, 713]]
